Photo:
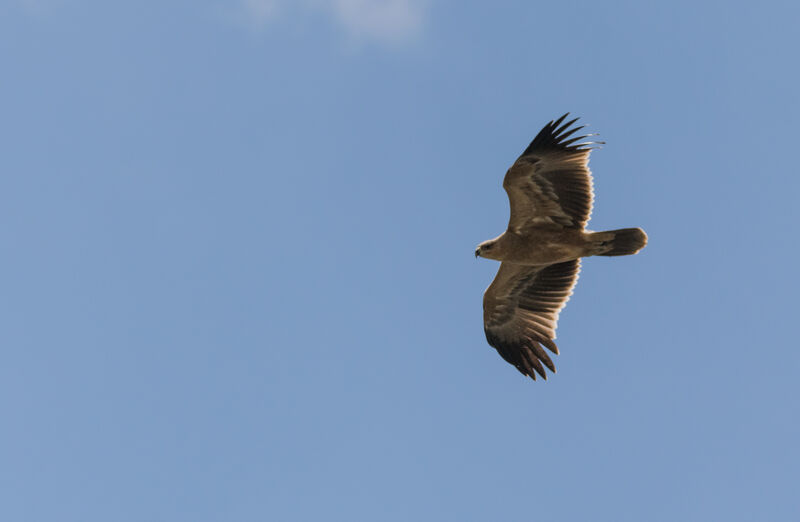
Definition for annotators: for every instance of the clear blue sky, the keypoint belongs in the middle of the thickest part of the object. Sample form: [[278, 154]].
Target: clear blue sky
[[238, 278]]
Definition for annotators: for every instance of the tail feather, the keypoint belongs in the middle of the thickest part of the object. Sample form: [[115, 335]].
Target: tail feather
[[622, 242]]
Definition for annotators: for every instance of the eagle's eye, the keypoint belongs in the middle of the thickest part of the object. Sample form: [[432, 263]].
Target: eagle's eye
[[487, 247]]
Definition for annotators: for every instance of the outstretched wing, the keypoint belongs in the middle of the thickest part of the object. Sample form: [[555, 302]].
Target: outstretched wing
[[520, 312], [550, 184]]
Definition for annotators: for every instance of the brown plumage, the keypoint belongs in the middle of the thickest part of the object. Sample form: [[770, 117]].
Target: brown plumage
[[550, 192]]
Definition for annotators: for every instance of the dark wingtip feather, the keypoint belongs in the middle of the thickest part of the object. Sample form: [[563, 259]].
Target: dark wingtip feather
[[531, 362], [542, 355], [558, 121], [564, 127], [550, 345], [526, 355], [553, 136]]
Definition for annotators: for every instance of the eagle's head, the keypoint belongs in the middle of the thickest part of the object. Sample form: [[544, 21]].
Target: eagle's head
[[487, 249]]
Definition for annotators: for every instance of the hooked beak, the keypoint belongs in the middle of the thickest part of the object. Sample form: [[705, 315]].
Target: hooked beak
[[477, 252]]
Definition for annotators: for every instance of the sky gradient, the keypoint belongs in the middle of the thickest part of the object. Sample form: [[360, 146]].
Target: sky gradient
[[238, 275]]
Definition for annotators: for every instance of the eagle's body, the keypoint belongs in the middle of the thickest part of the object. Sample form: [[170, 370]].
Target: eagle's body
[[543, 245], [550, 191]]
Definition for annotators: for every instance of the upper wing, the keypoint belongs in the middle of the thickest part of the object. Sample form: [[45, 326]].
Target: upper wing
[[520, 312], [550, 183]]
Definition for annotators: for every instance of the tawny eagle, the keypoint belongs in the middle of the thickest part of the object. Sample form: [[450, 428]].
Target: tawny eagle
[[550, 192]]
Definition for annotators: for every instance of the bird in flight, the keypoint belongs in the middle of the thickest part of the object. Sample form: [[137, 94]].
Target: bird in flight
[[550, 192]]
